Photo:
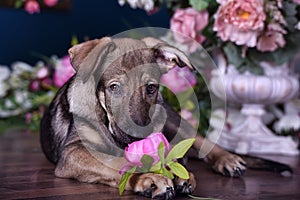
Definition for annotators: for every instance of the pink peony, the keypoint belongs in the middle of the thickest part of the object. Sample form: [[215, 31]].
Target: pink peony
[[240, 21], [271, 39], [149, 146], [296, 1], [187, 23], [63, 71], [32, 7], [50, 3], [179, 79]]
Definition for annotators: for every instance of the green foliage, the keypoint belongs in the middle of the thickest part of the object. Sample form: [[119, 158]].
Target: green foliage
[[199, 4], [180, 149], [124, 179]]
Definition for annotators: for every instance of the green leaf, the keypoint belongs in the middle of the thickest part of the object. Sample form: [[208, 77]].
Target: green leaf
[[179, 170], [161, 152], [233, 55], [74, 40], [19, 4], [199, 4], [180, 149], [201, 198], [124, 179], [147, 162], [167, 173], [156, 167]]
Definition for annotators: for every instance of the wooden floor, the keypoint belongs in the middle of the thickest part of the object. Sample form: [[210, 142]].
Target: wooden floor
[[26, 174]]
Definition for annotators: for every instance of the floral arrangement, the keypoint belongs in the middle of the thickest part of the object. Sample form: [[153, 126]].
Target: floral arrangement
[[247, 32], [33, 6], [154, 154], [26, 90]]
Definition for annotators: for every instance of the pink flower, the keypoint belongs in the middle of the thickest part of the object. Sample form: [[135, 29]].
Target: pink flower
[[296, 1], [187, 23], [34, 86], [42, 73], [63, 71], [28, 117], [240, 21], [149, 146], [50, 3], [32, 7], [46, 82], [188, 116], [271, 39], [179, 79]]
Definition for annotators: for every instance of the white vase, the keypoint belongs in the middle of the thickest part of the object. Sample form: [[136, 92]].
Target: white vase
[[253, 92]]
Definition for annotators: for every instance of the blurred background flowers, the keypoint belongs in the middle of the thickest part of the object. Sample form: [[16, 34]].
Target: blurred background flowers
[[246, 32], [26, 90]]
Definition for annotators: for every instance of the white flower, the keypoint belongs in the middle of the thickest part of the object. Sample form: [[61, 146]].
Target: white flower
[[8, 104], [27, 105], [3, 89], [21, 96], [121, 2], [147, 5], [4, 73], [297, 26], [20, 67]]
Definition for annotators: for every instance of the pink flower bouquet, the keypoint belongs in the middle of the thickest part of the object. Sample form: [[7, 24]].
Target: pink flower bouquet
[[154, 154], [246, 31]]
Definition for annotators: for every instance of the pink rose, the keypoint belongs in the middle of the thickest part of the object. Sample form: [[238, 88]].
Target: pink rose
[[179, 79], [149, 146], [296, 1], [63, 71], [272, 38], [32, 7], [188, 23], [50, 3], [240, 21]]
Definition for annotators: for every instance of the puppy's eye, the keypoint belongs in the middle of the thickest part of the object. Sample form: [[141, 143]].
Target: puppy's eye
[[151, 88], [114, 87]]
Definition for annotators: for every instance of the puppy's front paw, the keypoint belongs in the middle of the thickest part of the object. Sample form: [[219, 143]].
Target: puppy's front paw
[[154, 186], [230, 165], [185, 186]]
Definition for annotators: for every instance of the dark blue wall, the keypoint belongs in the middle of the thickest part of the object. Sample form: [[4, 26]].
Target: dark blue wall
[[48, 33]]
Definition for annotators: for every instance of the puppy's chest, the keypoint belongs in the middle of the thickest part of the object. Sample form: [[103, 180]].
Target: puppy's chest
[[98, 141]]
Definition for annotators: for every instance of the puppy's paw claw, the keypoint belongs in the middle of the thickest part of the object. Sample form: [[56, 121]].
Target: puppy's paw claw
[[230, 165]]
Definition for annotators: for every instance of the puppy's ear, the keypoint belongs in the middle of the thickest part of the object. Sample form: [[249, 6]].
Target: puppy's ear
[[87, 56], [167, 56]]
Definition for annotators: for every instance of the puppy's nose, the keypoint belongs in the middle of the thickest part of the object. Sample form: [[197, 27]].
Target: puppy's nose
[[139, 110]]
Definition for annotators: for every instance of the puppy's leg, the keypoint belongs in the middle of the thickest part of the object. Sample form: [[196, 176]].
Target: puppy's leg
[[89, 166], [222, 161], [95, 167]]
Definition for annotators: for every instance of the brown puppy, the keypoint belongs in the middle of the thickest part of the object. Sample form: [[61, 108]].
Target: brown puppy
[[113, 100]]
